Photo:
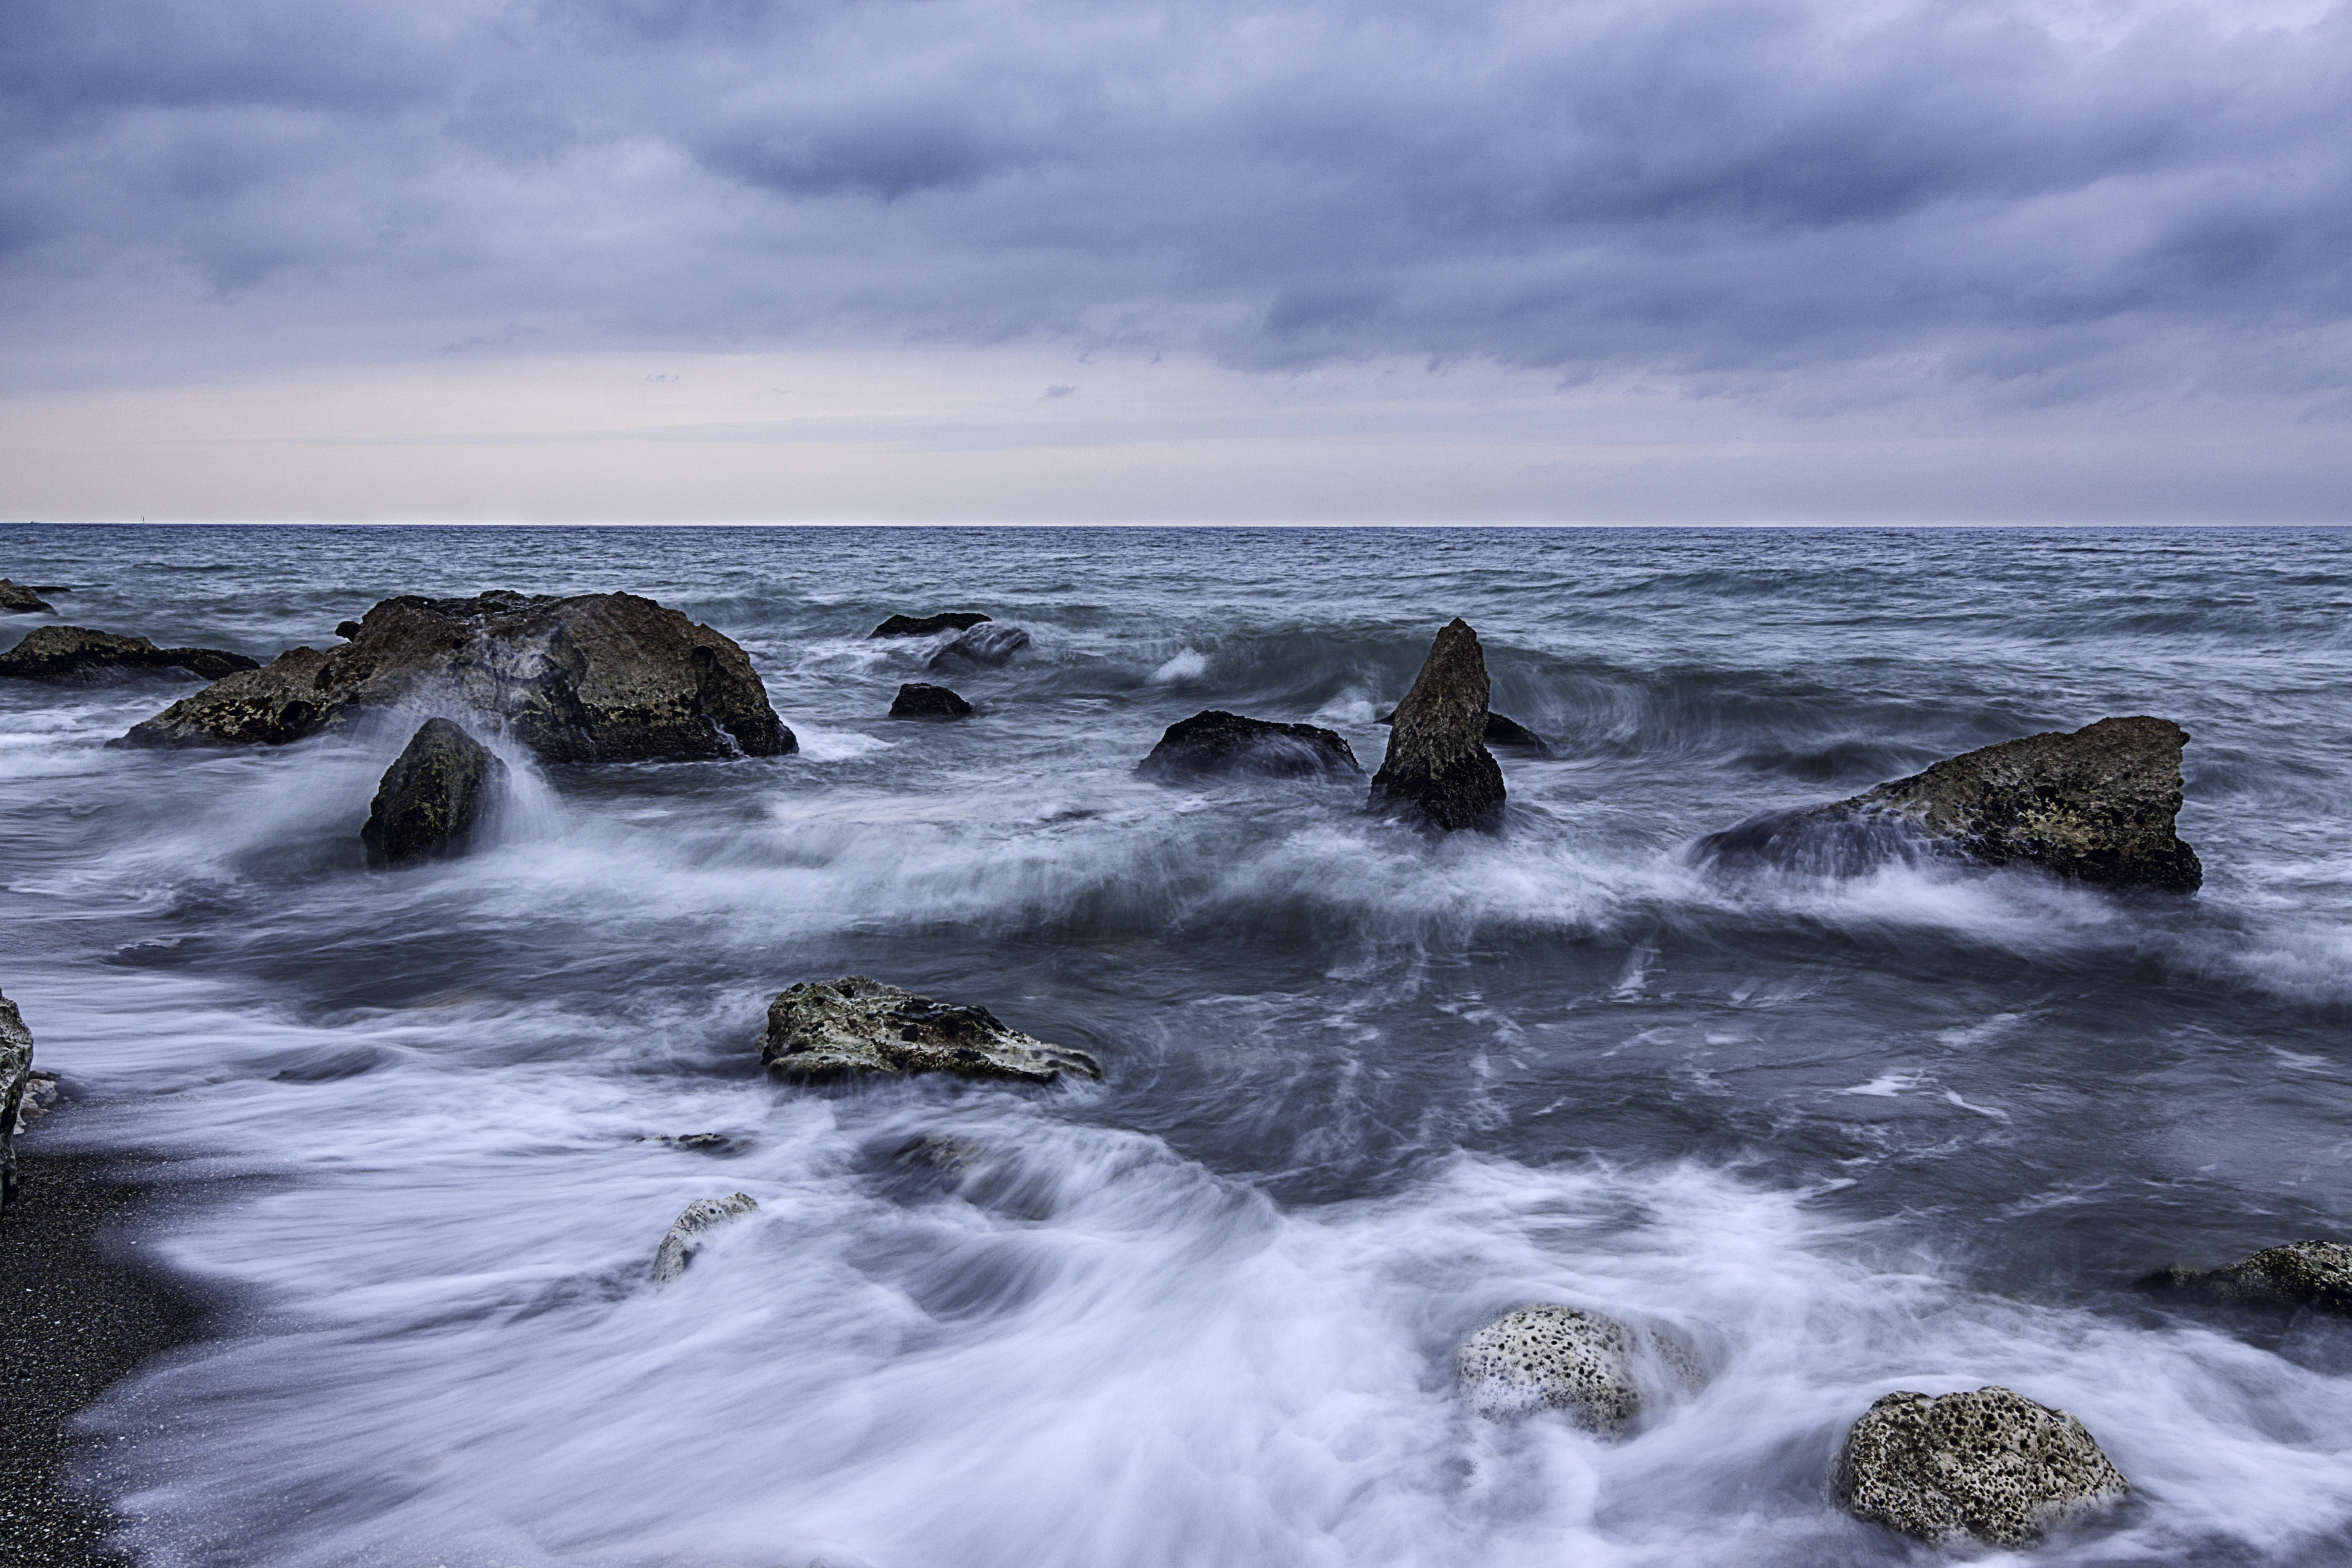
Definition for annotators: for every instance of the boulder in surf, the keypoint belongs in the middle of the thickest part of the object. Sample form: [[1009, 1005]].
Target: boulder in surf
[[1217, 743], [927, 625], [1990, 1467], [594, 678], [1437, 770], [15, 1074], [686, 1234], [990, 644], [854, 1027], [918, 700], [2097, 805], [432, 798], [79, 654], [16, 599], [1603, 1374], [2315, 1274]]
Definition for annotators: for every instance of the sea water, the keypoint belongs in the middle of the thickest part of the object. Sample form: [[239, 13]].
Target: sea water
[[1920, 1128]]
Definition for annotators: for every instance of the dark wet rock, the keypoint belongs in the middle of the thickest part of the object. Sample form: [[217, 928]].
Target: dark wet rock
[[687, 1232], [927, 625], [833, 1029], [1991, 1466], [79, 654], [1217, 743], [1603, 1374], [17, 599], [993, 644], [596, 677], [720, 1143], [1508, 733], [1437, 768], [2315, 1274], [917, 701], [2097, 805], [433, 798], [347, 629], [15, 1077]]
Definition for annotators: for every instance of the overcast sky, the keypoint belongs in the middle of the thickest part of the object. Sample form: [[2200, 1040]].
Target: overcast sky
[[1588, 259]]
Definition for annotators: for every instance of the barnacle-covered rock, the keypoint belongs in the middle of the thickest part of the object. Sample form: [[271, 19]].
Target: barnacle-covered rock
[[833, 1029], [1989, 1466]]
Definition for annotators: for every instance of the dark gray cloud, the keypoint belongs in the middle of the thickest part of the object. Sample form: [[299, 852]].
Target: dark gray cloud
[[2047, 202]]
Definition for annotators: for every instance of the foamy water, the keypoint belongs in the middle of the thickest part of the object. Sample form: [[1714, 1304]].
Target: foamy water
[[1914, 1129]]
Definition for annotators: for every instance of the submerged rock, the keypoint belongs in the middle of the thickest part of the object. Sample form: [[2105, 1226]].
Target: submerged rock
[[433, 798], [993, 644], [1508, 733], [917, 701], [1602, 1372], [927, 625], [832, 1028], [2315, 1274], [1991, 1466], [15, 1074], [2097, 805], [16, 599], [700, 1217], [1220, 743], [596, 677], [1437, 768], [70, 653]]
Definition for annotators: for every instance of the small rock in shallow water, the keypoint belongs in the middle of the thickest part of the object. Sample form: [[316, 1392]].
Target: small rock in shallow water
[[833, 1029], [433, 797], [927, 625], [2317, 1274], [993, 644], [16, 599], [1437, 768], [1602, 1372], [1991, 1466], [1220, 743], [917, 701], [78, 653], [686, 1233]]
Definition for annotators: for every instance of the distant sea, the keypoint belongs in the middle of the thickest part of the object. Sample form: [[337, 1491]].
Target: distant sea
[[1916, 1129]]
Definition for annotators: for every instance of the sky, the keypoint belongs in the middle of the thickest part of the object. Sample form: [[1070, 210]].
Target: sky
[[1064, 260]]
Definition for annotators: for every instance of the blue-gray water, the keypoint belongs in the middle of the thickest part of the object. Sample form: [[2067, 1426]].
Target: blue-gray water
[[1918, 1129]]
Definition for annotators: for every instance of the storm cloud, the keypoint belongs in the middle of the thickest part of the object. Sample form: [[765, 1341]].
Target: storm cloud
[[2044, 202]]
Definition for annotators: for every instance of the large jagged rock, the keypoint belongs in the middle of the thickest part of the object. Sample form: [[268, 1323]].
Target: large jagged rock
[[1991, 1466], [15, 1071], [1437, 768], [927, 625], [78, 653], [596, 677], [1217, 743], [1602, 1372], [918, 700], [15, 599], [1507, 732], [686, 1233], [2315, 1274], [833, 1029], [433, 798], [993, 644], [2097, 805]]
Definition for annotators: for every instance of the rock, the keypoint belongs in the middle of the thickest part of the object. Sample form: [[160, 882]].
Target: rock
[[1508, 733], [1217, 743], [993, 644], [720, 1143], [832, 1028], [433, 798], [347, 629], [596, 677], [2315, 1274], [1991, 1466], [927, 625], [1602, 1372], [917, 701], [69, 653], [2097, 805], [15, 1074], [686, 1233], [17, 599], [1437, 768]]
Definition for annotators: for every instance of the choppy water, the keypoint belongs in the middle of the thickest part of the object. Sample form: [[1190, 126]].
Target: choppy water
[[1917, 1130]]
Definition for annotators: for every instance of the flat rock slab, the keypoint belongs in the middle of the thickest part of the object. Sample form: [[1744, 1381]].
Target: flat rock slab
[[1602, 1372], [1217, 743], [1989, 1466], [594, 677], [78, 653], [432, 798], [2315, 1274], [1437, 770], [990, 645], [927, 625], [918, 700], [686, 1234], [15, 1073], [15, 599], [855, 1026]]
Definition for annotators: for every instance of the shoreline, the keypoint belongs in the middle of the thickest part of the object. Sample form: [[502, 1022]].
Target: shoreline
[[80, 1309]]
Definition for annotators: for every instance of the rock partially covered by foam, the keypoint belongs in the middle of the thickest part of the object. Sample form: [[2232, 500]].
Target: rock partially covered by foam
[[1603, 1374], [854, 1027], [1437, 769], [15, 1073], [1217, 743], [686, 1235], [991, 644], [919, 700], [594, 677], [1989, 1466], [78, 653], [432, 798], [2097, 805], [2315, 1274], [15, 599], [927, 625]]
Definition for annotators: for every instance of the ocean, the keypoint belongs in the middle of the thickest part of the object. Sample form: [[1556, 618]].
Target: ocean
[[1918, 1128]]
